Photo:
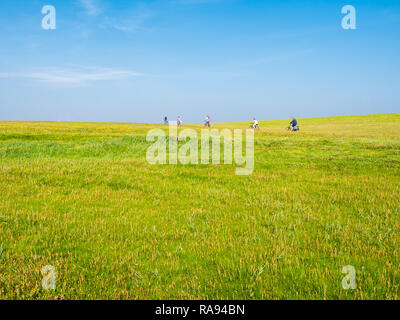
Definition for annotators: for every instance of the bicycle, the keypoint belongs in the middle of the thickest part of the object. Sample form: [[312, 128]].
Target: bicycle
[[293, 129], [257, 127]]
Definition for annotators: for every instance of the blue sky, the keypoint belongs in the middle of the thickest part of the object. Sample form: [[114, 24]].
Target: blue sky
[[136, 61]]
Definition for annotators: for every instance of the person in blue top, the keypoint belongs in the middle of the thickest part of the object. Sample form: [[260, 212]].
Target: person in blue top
[[294, 124]]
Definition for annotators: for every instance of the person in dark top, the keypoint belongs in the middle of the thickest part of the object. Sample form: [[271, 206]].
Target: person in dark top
[[208, 122], [294, 123]]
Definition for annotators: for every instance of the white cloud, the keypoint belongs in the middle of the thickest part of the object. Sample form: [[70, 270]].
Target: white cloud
[[130, 20], [91, 6], [72, 77], [134, 23]]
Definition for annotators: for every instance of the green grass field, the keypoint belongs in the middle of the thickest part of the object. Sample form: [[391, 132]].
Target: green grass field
[[82, 198]]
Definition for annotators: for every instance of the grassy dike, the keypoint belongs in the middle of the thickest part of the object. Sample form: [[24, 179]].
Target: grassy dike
[[82, 198]]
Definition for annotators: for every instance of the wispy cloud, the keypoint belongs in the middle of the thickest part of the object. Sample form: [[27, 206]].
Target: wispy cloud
[[134, 23], [91, 7], [132, 19], [72, 77]]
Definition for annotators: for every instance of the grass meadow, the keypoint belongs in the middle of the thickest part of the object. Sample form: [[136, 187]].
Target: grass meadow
[[81, 197]]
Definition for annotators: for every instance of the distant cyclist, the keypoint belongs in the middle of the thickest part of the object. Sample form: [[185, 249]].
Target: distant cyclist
[[208, 122], [255, 124], [294, 125]]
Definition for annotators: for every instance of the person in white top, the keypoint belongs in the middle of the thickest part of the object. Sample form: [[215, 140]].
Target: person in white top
[[255, 123], [179, 121]]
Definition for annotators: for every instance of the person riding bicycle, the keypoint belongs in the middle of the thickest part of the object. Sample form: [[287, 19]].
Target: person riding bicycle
[[179, 121], [208, 122], [294, 125], [255, 124]]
